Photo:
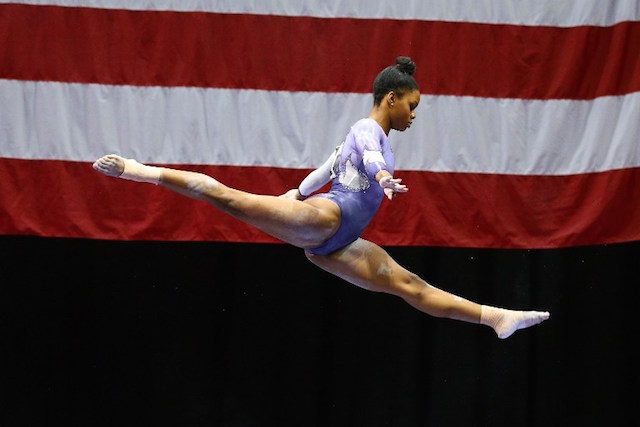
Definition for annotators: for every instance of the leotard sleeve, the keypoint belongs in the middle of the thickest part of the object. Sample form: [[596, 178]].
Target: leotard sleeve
[[369, 137], [319, 177]]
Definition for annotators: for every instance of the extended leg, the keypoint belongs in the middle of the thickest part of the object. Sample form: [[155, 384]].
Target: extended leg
[[368, 266], [301, 223]]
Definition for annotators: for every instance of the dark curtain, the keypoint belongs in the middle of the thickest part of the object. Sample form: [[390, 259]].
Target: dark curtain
[[104, 333]]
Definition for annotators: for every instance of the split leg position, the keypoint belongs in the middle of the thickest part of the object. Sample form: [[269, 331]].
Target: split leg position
[[303, 224], [307, 224], [368, 266]]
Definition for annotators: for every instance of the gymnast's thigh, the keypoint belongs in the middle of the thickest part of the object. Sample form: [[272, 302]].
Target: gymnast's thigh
[[362, 263]]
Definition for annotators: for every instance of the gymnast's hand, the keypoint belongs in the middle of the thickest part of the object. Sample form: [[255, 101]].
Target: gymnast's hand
[[292, 194], [392, 186]]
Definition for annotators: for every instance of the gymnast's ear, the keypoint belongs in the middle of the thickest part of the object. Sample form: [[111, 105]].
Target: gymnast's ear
[[391, 98]]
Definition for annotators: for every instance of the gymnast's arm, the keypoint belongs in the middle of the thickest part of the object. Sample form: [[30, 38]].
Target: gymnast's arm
[[314, 181], [376, 166]]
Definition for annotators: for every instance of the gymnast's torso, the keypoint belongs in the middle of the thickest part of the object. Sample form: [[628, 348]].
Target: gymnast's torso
[[364, 152]]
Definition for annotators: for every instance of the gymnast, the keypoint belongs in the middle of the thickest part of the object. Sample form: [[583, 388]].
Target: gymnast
[[328, 225]]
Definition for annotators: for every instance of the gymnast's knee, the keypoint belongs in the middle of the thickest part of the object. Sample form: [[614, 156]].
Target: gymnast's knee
[[200, 185], [409, 285]]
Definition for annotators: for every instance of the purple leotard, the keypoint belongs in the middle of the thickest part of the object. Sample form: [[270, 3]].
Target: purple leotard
[[354, 188]]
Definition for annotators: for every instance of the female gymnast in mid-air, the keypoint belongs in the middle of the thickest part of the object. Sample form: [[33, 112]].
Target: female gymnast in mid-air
[[328, 225]]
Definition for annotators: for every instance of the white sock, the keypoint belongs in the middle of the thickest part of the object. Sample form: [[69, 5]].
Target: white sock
[[505, 322], [138, 172]]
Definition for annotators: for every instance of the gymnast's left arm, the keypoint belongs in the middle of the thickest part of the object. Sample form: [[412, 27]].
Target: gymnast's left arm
[[314, 181]]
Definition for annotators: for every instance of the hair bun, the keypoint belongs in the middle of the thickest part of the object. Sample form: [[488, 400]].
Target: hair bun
[[406, 65]]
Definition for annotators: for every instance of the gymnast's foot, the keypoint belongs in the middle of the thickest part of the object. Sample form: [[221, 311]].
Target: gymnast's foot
[[110, 165], [505, 322], [117, 166]]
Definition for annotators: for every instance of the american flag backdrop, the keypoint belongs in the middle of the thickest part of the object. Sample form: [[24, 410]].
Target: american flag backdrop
[[127, 304], [527, 134]]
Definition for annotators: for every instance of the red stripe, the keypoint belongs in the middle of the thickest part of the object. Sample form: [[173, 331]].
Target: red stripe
[[513, 211], [89, 45], [70, 199]]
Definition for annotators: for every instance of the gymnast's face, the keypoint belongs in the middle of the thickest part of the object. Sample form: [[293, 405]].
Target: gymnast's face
[[402, 109]]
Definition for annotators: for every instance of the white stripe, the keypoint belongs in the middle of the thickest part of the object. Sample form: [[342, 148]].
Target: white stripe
[[561, 13], [526, 137], [47, 120]]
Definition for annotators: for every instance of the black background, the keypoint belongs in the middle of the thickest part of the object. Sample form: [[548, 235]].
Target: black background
[[104, 333]]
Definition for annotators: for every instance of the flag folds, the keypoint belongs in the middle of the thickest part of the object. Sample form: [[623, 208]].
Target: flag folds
[[527, 134]]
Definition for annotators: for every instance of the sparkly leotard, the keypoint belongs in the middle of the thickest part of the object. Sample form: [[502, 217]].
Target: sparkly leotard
[[365, 151]]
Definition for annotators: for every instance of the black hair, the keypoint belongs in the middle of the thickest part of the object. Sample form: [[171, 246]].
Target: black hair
[[397, 77]]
